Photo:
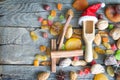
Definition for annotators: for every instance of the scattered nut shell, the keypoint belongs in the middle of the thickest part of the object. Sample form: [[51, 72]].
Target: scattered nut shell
[[79, 63], [115, 33], [97, 68], [97, 39], [43, 75], [73, 75], [102, 24], [69, 32], [118, 44], [65, 63]]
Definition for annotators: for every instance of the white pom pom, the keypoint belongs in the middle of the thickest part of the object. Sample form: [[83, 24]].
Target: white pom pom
[[102, 5]]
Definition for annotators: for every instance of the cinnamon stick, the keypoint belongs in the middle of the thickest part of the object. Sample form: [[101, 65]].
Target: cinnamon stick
[[64, 31], [63, 54]]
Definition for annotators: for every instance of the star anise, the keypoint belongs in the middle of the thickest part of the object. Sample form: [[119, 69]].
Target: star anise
[[60, 75]]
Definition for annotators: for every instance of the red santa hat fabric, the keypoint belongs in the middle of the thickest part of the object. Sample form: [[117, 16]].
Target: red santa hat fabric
[[90, 13]]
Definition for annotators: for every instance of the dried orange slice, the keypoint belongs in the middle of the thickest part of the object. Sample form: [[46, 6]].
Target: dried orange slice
[[73, 44]]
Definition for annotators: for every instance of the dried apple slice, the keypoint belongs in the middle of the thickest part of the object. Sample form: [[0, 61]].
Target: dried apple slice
[[73, 44]]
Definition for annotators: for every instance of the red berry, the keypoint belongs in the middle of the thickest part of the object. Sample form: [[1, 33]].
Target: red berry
[[100, 16], [46, 7], [113, 47], [76, 58], [81, 73], [87, 70], [40, 19], [50, 23], [93, 62]]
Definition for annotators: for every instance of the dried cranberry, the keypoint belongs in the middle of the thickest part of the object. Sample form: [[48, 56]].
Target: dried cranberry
[[46, 7], [100, 16]]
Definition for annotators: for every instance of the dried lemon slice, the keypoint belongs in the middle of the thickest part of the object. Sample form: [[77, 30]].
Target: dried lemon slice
[[73, 44]]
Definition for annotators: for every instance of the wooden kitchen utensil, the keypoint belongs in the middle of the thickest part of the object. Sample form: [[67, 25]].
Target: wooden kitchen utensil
[[88, 36]]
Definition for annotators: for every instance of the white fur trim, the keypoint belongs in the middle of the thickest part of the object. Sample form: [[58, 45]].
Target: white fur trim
[[85, 18], [102, 5]]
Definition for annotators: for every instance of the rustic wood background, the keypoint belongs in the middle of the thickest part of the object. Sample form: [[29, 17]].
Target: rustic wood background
[[17, 50]]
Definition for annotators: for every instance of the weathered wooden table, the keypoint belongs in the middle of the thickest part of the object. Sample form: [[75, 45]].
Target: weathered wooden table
[[17, 50]]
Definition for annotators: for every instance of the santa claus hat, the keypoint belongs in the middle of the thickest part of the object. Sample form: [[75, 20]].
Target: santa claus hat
[[90, 13]]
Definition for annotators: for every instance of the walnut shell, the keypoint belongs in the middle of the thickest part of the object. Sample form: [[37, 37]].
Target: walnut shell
[[115, 33], [102, 24], [73, 75], [43, 75], [118, 43]]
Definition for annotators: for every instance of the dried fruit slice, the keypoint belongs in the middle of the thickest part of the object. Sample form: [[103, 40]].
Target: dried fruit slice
[[80, 4], [41, 57], [53, 13], [100, 77], [73, 44], [45, 27], [109, 51], [110, 71], [59, 6], [107, 45], [44, 22], [95, 55], [45, 63], [33, 36], [73, 75], [99, 50], [36, 63], [97, 39], [56, 28], [69, 32]]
